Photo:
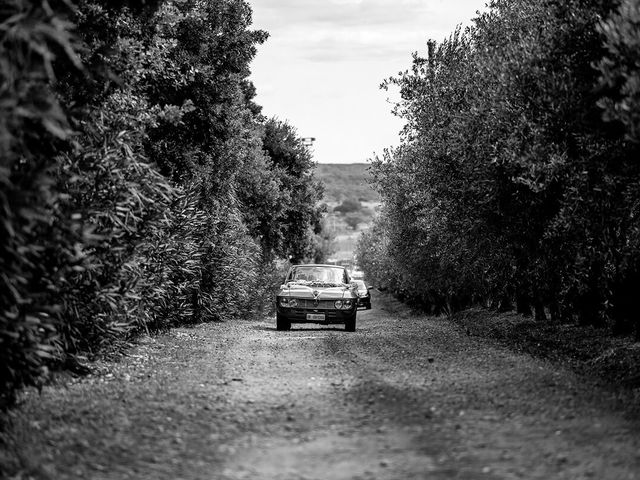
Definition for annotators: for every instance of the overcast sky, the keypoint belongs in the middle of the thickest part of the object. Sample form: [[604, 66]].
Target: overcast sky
[[323, 63]]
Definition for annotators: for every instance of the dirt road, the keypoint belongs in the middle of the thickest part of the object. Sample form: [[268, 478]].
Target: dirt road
[[404, 397]]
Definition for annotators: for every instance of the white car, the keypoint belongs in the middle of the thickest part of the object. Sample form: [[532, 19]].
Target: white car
[[357, 275]]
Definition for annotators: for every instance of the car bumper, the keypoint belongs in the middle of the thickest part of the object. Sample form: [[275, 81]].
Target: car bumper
[[299, 315]]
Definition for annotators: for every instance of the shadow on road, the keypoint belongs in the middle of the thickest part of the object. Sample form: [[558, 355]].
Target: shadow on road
[[272, 328]]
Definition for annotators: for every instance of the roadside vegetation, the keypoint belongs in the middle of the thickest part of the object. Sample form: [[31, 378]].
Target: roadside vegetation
[[141, 186], [351, 204], [354, 213], [516, 185], [346, 181]]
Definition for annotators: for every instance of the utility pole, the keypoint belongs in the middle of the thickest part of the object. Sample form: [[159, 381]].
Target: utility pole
[[308, 141]]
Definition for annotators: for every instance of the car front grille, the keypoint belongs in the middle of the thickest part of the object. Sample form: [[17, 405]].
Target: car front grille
[[309, 303]]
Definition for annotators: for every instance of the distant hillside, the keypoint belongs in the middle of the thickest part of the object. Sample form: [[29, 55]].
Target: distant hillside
[[346, 181]]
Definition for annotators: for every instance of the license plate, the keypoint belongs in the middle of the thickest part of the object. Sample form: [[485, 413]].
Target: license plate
[[315, 316]]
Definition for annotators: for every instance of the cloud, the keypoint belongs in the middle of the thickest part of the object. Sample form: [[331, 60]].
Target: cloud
[[325, 59], [282, 14], [358, 45], [348, 30]]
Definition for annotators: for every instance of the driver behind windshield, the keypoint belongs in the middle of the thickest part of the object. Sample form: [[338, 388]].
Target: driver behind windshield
[[322, 275]]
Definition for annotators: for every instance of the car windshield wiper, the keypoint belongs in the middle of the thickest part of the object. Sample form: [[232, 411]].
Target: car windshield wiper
[[326, 284], [318, 283]]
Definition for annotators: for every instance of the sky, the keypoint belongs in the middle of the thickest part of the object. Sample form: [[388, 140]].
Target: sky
[[324, 61]]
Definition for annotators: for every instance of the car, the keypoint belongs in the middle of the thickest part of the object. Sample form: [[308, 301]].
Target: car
[[364, 296], [357, 274], [316, 293]]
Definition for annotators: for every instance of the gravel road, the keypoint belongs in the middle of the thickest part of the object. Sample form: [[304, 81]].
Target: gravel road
[[404, 397]]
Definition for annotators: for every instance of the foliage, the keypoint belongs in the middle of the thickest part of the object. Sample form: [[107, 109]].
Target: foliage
[[516, 181], [620, 68], [346, 180], [353, 219], [128, 136], [323, 243], [348, 205], [32, 126], [353, 213], [287, 226]]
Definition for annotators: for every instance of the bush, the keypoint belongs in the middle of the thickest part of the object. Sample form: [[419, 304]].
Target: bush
[[123, 158], [523, 183], [349, 205], [353, 219]]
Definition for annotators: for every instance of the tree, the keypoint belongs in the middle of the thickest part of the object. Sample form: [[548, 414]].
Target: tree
[[510, 183], [348, 205], [126, 133], [620, 69], [289, 231]]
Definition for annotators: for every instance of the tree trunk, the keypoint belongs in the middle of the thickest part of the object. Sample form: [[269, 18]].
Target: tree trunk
[[554, 311], [505, 304], [523, 305], [541, 315]]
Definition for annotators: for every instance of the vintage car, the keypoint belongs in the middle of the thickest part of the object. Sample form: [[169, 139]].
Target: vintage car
[[315, 293], [364, 296]]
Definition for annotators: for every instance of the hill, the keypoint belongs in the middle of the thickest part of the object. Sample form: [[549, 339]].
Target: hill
[[352, 204], [346, 181]]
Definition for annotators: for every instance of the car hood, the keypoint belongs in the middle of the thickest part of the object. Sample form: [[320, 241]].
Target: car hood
[[323, 291]]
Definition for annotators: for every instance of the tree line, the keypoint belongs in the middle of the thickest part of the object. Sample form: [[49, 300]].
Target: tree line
[[141, 186], [517, 180]]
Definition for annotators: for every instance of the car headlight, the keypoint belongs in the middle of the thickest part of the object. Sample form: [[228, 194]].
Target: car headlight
[[343, 304], [288, 302]]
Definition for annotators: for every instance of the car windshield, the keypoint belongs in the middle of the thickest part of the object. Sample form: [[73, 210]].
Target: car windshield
[[317, 274]]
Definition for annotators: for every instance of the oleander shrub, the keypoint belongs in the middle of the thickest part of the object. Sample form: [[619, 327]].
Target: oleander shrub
[[126, 133]]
